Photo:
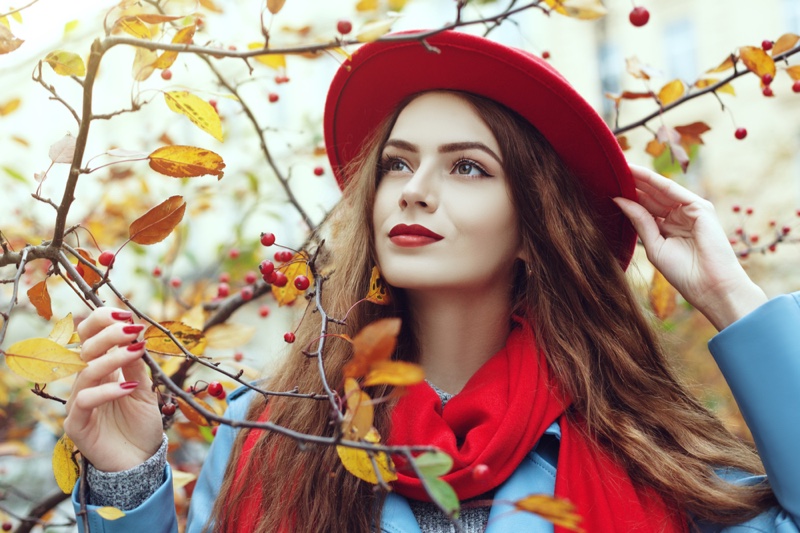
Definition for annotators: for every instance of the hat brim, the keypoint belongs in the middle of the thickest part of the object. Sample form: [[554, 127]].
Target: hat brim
[[379, 75]]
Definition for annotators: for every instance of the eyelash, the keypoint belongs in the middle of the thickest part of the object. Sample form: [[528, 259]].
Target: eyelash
[[386, 162]]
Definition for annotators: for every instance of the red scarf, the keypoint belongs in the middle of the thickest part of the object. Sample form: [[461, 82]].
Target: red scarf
[[496, 420]]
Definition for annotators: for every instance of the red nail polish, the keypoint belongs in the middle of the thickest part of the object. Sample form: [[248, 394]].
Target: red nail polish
[[127, 385], [121, 315], [132, 329], [136, 346]]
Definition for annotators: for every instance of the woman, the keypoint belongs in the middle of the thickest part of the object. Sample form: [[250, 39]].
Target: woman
[[481, 184]]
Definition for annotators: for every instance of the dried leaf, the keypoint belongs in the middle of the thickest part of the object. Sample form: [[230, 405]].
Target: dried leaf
[[398, 373], [378, 293], [275, 6], [155, 18], [690, 133], [372, 31], [65, 468], [725, 65], [672, 139], [556, 510], [671, 92], [794, 72], [66, 63], [41, 360], [143, 63], [623, 143], [63, 330], [40, 298], [359, 416], [785, 42], [180, 478], [89, 275], [9, 107], [433, 464], [184, 36], [193, 414], [757, 60], [186, 162], [197, 110], [296, 267], [579, 9], [8, 43], [64, 150], [228, 335], [358, 462], [631, 95], [276, 61], [374, 343], [639, 70], [133, 26], [155, 225], [110, 513], [157, 341], [662, 296]]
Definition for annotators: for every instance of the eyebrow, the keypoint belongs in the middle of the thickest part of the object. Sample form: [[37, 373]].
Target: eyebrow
[[445, 148]]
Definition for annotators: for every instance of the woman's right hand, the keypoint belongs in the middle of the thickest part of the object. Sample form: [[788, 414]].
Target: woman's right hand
[[112, 413]]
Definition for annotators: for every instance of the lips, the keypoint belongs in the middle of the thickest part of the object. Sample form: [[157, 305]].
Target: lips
[[413, 236]]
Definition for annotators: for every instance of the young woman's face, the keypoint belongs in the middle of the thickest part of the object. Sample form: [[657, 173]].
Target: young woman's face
[[443, 216]]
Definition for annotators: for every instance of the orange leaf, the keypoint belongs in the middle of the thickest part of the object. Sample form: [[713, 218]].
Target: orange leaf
[[155, 225], [296, 267], [556, 510], [9, 107], [360, 414], [154, 18], [623, 142], [397, 373], [193, 414], [785, 42], [794, 72], [671, 92], [89, 275], [757, 60], [275, 5], [184, 36], [378, 294], [690, 133], [725, 65], [375, 342], [186, 162], [662, 296], [655, 148], [210, 5], [629, 95], [40, 299], [158, 342]]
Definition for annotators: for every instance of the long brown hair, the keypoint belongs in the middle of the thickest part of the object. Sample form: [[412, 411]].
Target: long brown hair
[[598, 343]]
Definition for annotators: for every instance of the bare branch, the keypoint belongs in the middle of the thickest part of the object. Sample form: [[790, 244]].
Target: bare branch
[[6, 316], [17, 10]]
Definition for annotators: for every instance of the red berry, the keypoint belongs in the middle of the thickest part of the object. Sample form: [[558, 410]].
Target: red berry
[[223, 290], [639, 16], [271, 277], [156, 271], [273, 97], [286, 256], [232, 47], [480, 472], [168, 409], [754, 238], [744, 255], [739, 231], [740, 133], [166, 74], [247, 293], [106, 258], [767, 91], [214, 430], [233, 253], [785, 230], [772, 247], [301, 282], [213, 104], [281, 79], [222, 396], [772, 223], [749, 211], [280, 279], [263, 311], [319, 171], [344, 26], [766, 45], [545, 55], [736, 209], [766, 79], [267, 239], [199, 22], [289, 337], [238, 356], [175, 282], [215, 389], [266, 267], [224, 277], [796, 86], [250, 277], [7, 526]]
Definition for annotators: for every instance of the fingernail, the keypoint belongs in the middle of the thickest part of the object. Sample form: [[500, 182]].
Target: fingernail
[[127, 385], [136, 346], [121, 315], [133, 329]]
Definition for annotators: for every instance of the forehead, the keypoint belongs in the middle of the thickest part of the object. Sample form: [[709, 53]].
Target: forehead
[[436, 118]]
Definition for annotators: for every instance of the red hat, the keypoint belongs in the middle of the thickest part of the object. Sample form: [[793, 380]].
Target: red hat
[[379, 75]]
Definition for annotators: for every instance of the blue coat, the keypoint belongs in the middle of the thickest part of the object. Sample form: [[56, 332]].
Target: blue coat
[[759, 356]]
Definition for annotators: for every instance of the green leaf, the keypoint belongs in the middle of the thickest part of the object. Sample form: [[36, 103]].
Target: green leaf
[[14, 174], [443, 494], [433, 464]]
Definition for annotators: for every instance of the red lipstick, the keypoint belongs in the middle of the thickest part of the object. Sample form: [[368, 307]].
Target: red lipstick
[[413, 235]]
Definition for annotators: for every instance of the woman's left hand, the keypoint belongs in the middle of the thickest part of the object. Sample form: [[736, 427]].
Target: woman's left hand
[[685, 241]]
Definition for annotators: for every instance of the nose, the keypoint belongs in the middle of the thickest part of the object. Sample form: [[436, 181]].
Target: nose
[[421, 190]]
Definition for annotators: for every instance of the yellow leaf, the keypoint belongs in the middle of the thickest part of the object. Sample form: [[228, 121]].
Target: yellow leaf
[[296, 267], [63, 330], [8, 43], [229, 335], [158, 342], [794, 72], [372, 31], [134, 26], [397, 5], [66, 63], [367, 5], [785, 42], [181, 479], [375, 342], [210, 5], [275, 5], [398, 373], [193, 414], [143, 63], [70, 27], [706, 82], [14, 448], [186, 162], [184, 36], [358, 462], [65, 468], [655, 147], [110, 513], [17, 16], [556, 510], [155, 225], [194, 317], [579, 9], [378, 293], [722, 67], [197, 110], [42, 360], [662, 296], [757, 60], [359, 416], [40, 299], [276, 61], [9, 107], [671, 92]]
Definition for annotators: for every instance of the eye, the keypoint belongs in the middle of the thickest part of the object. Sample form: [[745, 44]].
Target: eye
[[393, 164], [467, 167]]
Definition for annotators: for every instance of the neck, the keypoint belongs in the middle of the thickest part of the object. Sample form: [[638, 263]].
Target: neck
[[458, 331]]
